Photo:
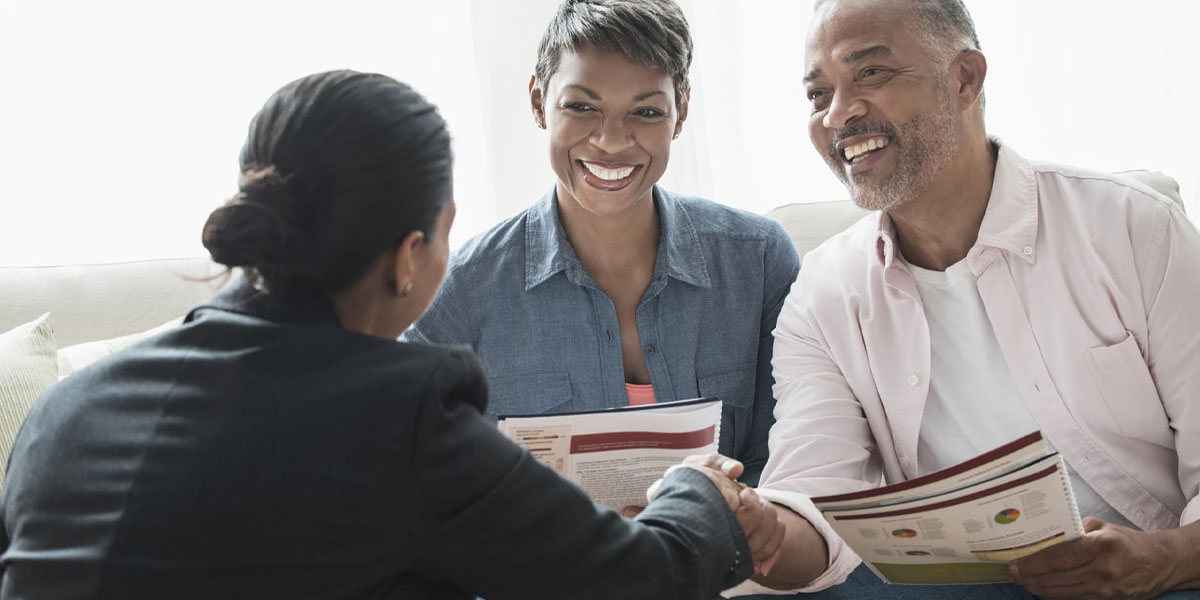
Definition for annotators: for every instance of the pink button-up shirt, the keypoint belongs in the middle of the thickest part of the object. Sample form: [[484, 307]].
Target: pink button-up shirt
[[1092, 284]]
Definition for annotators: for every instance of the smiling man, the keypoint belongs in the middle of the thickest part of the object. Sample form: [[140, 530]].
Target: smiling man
[[990, 296]]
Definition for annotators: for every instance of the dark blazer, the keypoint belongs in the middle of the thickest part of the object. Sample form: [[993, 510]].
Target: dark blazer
[[262, 451]]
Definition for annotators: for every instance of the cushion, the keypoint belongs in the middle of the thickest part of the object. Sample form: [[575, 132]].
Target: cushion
[[74, 358], [28, 365]]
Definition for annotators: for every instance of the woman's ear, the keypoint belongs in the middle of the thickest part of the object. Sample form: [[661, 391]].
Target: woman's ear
[[683, 113], [537, 102], [407, 258]]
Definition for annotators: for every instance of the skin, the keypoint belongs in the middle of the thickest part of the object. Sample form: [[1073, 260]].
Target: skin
[[602, 109], [905, 91]]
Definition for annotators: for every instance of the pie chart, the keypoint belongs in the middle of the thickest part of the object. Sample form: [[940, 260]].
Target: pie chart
[[1008, 515], [904, 533]]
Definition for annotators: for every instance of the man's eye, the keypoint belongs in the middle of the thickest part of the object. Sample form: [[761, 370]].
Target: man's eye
[[871, 71], [819, 98]]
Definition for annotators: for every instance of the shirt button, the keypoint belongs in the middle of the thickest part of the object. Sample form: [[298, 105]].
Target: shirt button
[[650, 349], [904, 462], [913, 380], [1028, 250]]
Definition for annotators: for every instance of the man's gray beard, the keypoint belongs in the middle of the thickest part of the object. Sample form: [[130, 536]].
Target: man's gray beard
[[924, 146]]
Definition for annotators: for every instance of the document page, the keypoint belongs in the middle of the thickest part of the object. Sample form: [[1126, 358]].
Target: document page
[[964, 524], [616, 454]]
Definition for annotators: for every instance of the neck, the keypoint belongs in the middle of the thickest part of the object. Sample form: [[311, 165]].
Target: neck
[[608, 243], [938, 228]]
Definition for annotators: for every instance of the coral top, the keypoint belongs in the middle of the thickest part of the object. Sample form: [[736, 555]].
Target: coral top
[[639, 394]]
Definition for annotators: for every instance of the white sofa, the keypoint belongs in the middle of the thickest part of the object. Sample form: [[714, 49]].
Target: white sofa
[[95, 310]]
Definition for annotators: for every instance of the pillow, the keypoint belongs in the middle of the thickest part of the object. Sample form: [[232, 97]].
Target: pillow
[[28, 365], [74, 358]]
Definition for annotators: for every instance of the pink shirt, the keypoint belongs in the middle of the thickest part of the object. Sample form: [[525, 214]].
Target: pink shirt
[[1091, 282], [639, 394]]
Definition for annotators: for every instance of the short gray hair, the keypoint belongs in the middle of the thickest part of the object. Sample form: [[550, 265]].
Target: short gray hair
[[946, 23], [653, 33]]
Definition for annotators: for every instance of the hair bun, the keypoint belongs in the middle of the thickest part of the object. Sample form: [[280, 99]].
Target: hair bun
[[254, 229]]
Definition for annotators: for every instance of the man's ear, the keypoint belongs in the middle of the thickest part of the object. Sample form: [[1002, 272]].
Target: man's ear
[[537, 102], [406, 260], [683, 112], [968, 70]]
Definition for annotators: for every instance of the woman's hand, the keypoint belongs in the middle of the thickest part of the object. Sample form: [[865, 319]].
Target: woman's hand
[[757, 517]]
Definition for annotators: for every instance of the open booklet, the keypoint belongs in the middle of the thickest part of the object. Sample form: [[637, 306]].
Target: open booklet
[[615, 454], [963, 524]]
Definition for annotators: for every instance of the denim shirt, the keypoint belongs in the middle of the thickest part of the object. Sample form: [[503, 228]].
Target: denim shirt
[[548, 337]]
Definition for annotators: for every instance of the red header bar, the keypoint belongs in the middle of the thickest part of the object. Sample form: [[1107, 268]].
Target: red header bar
[[625, 440]]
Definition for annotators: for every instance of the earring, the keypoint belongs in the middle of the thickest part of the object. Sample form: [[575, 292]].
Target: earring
[[407, 290], [675, 137]]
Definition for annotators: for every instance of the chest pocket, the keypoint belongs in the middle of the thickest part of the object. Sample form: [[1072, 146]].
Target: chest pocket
[[1124, 381], [735, 387], [536, 394]]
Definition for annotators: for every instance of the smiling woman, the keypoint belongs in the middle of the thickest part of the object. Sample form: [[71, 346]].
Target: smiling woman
[[610, 283]]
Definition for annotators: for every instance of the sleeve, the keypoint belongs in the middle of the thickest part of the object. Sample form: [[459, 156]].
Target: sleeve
[[445, 320], [495, 522], [821, 442], [1171, 284], [780, 267]]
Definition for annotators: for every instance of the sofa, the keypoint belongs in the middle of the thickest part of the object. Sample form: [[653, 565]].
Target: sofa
[[55, 320]]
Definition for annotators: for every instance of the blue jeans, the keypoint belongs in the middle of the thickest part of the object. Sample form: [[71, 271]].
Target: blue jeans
[[864, 585]]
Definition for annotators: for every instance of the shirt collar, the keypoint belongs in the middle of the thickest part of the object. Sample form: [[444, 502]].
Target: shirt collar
[[1010, 222], [680, 255], [293, 306]]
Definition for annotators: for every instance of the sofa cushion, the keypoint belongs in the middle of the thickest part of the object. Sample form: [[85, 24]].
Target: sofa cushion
[[28, 365], [74, 358]]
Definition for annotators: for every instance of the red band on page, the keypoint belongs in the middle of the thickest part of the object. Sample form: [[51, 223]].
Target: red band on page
[[625, 440], [963, 500]]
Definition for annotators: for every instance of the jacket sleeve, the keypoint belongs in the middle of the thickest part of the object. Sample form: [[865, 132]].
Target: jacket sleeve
[[780, 267], [495, 522], [1170, 286]]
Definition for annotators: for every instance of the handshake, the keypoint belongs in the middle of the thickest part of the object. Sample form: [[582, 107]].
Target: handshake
[[758, 518]]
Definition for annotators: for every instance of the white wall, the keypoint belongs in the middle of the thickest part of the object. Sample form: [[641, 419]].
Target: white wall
[[121, 120]]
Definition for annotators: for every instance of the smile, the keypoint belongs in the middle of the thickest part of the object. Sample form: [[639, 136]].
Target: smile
[[608, 177], [858, 152]]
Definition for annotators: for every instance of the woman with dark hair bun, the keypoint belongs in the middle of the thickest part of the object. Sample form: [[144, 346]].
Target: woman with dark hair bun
[[283, 444]]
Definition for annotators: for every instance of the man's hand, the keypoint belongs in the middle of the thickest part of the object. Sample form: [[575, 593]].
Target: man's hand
[[1109, 561], [759, 519]]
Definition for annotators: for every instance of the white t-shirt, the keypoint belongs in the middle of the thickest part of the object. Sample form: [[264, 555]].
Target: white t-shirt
[[974, 404]]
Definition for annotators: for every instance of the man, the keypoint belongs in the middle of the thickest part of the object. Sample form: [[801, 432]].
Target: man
[[989, 297]]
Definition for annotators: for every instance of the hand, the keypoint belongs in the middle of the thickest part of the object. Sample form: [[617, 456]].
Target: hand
[[722, 471], [764, 530], [1109, 561]]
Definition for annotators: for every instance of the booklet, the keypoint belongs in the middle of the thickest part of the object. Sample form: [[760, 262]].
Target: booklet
[[616, 454], [963, 524]]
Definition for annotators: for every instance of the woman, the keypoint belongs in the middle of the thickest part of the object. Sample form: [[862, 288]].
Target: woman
[[611, 290], [282, 444]]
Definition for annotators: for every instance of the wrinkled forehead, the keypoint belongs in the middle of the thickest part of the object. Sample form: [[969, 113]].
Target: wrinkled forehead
[[840, 27]]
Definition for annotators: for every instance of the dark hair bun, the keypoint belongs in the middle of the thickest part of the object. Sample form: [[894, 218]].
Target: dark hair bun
[[255, 229]]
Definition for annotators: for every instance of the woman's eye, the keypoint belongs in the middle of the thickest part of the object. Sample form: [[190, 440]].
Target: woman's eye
[[648, 113], [577, 107]]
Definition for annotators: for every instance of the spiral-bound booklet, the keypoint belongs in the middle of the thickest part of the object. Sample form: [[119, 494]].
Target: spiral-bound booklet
[[615, 454], [963, 524]]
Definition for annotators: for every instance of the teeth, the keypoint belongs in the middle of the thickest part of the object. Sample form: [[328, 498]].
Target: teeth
[[856, 150], [608, 174]]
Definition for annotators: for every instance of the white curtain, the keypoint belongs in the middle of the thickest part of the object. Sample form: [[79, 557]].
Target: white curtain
[[120, 121]]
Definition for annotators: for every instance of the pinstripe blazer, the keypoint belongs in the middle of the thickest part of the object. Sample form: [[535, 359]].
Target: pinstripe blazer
[[262, 451]]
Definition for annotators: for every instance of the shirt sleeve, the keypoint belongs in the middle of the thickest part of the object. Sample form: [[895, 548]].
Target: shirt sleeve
[[1171, 284], [780, 267], [495, 522], [821, 442]]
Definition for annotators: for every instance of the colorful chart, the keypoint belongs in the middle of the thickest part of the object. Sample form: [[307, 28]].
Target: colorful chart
[[1008, 515], [917, 553], [904, 533]]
